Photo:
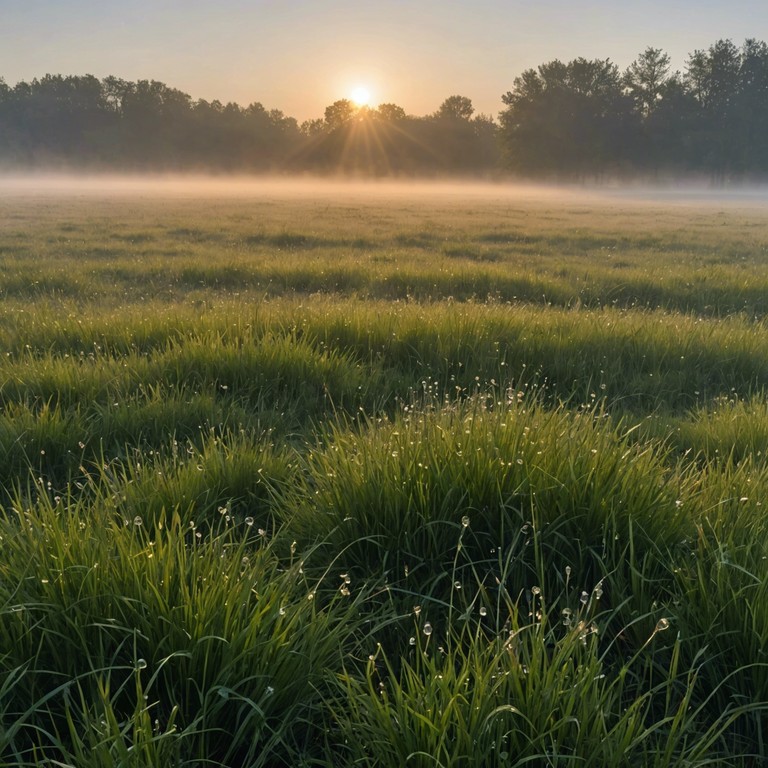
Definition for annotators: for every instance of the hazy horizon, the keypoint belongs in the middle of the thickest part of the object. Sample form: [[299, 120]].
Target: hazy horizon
[[196, 185]]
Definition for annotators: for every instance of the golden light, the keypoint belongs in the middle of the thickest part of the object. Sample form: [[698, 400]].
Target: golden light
[[361, 96]]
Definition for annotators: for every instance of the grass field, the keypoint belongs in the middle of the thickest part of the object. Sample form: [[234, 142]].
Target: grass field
[[316, 475]]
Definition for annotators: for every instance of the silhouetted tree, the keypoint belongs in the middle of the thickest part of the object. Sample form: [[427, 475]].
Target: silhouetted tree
[[568, 119], [646, 77], [657, 130], [390, 112], [669, 130], [751, 106], [312, 127], [339, 113], [458, 141], [712, 77], [455, 108]]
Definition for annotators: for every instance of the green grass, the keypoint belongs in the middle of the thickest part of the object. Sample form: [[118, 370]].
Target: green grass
[[327, 476]]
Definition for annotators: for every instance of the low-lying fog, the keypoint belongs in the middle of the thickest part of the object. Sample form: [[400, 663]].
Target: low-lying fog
[[198, 186]]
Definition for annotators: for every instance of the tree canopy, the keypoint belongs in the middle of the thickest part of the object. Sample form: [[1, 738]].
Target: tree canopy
[[585, 117]]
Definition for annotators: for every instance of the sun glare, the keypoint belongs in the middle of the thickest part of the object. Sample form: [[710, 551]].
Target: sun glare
[[361, 96]]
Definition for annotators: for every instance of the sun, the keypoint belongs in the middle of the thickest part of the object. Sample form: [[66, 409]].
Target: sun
[[361, 96]]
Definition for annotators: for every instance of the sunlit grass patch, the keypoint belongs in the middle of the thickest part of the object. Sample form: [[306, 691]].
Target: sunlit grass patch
[[722, 583], [678, 259]]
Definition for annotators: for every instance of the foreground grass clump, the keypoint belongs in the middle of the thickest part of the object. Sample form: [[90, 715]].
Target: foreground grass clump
[[530, 484], [322, 479], [540, 694], [135, 645], [225, 475]]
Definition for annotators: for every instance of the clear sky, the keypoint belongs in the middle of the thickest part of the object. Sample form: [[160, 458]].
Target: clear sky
[[301, 55]]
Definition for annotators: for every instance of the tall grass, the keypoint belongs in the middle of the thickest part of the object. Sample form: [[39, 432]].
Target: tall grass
[[382, 481], [137, 639], [398, 494], [541, 695]]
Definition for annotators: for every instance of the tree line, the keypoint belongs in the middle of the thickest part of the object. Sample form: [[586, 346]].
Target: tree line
[[83, 122], [587, 117], [577, 119]]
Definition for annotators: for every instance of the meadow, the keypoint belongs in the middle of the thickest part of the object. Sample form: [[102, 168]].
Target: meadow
[[325, 475]]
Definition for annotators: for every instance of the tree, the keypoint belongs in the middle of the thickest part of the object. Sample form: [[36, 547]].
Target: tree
[[751, 105], [645, 78], [455, 108], [391, 113], [339, 113], [115, 90], [669, 130], [312, 127], [712, 77], [567, 119], [56, 116]]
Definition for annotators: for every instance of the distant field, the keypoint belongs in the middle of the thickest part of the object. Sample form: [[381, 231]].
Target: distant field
[[314, 474]]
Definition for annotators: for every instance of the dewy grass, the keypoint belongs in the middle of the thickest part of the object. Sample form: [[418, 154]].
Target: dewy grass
[[731, 429], [397, 493], [381, 480], [539, 694], [231, 475], [336, 353], [228, 647]]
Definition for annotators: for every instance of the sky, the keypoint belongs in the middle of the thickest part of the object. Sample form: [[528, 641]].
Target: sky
[[301, 55]]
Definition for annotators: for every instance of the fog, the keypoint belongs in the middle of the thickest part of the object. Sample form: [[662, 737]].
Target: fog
[[101, 186]]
